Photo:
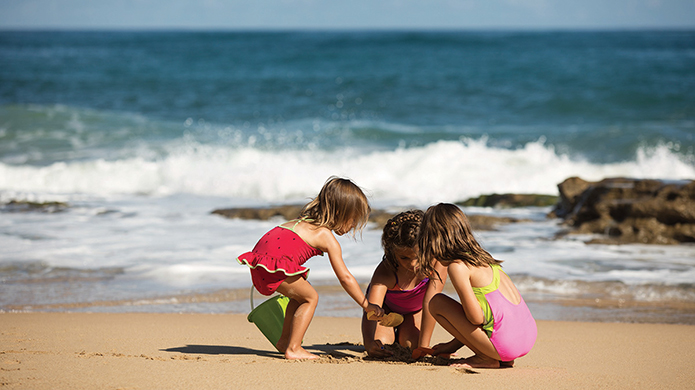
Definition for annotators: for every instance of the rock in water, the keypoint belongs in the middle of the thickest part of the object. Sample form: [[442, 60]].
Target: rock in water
[[629, 210]]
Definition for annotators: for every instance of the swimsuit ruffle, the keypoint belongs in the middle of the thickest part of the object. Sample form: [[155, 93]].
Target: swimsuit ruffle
[[271, 264]]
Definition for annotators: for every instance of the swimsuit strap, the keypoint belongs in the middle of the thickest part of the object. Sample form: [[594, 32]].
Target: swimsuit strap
[[495, 275], [303, 219], [494, 285], [396, 287], [480, 292]]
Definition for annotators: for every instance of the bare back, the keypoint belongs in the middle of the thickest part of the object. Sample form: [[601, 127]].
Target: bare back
[[482, 277], [323, 239], [311, 234]]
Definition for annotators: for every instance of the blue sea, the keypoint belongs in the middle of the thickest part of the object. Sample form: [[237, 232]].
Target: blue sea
[[141, 135]]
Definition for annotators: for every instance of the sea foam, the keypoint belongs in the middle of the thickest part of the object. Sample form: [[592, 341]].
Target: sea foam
[[439, 171]]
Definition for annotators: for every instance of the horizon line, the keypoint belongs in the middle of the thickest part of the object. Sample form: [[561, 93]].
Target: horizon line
[[343, 29]]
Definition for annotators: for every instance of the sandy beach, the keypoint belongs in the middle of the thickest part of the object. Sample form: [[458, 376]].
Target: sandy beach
[[220, 351]]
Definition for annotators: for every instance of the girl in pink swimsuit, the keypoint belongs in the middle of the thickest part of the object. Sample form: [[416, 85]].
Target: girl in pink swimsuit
[[277, 260], [492, 318], [397, 287]]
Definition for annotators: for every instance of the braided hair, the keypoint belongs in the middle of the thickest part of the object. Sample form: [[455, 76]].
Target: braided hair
[[401, 231]]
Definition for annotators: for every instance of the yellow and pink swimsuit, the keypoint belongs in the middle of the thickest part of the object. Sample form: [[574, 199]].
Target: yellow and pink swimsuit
[[511, 328]]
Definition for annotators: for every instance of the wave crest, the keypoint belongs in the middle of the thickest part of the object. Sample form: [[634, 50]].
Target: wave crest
[[440, 171]]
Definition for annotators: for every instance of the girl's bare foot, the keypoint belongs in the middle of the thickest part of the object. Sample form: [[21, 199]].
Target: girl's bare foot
[[477, 362], [508, 364], [299, 353]]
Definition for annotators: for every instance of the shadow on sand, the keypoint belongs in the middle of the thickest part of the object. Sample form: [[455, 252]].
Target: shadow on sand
[[232, 350]]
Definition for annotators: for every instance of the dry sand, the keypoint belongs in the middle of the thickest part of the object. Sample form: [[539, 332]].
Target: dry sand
[[224, 351]]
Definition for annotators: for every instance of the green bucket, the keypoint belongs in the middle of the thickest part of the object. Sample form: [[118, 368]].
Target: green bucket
[[269, 317]]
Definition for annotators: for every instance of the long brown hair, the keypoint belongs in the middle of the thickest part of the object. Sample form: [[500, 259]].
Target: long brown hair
[[446, 236], [400, 231], [339, 201]]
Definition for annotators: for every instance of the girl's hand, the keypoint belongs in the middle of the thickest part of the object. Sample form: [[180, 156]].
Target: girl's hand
[[421, 352], [377, 350], [376, 309]]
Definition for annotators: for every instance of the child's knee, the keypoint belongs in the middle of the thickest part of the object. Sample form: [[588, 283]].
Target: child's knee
[[437, 303], [312, 298], [409, 339]]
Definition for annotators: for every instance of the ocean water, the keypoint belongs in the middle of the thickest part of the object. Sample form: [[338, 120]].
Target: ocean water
[[142, 134]]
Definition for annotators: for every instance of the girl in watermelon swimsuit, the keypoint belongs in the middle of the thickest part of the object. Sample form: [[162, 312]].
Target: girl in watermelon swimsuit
[[277, 260], [398, 287], [492, 319]]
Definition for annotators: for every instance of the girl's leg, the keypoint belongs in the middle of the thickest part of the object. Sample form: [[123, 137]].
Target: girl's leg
[[287, 326], [409, 330], [450, 315], [300, 311]]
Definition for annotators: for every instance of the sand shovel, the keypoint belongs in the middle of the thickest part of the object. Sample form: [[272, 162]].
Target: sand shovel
[[390, 320]]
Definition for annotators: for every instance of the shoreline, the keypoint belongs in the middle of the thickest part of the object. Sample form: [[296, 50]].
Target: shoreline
[[334, 302], [153, 351], [583, 283]]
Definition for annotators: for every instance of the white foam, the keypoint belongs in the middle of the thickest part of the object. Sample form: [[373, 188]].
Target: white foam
[[441, 171], [165, 245]]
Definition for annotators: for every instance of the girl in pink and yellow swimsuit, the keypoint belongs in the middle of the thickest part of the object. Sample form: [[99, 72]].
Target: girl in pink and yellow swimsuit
[[398, 288], [492, 318]]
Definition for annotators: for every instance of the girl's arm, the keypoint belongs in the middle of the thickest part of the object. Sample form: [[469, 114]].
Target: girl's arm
[[326, 242], [382, 280], [434, 287], [460, 276]]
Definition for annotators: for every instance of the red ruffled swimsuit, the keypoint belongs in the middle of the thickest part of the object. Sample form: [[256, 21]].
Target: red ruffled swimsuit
[[278, 254]]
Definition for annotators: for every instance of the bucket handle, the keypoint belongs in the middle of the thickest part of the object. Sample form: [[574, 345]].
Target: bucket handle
[[251, 297]]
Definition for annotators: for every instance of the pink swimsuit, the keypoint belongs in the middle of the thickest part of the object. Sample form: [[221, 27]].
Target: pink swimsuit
[[278, 254], [406, 301], [511, 328]]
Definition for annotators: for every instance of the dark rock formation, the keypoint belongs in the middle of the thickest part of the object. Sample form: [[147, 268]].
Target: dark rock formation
[[287, 212], [629, 210], [511, 200], [378, 217], [23, 206]]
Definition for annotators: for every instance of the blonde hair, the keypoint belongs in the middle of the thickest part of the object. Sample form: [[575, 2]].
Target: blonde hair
[[446, 236], [339, 202], [400, 231]]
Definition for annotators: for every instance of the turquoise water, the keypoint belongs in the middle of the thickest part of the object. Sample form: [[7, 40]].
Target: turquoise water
[[597, 95], [142, 134]]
